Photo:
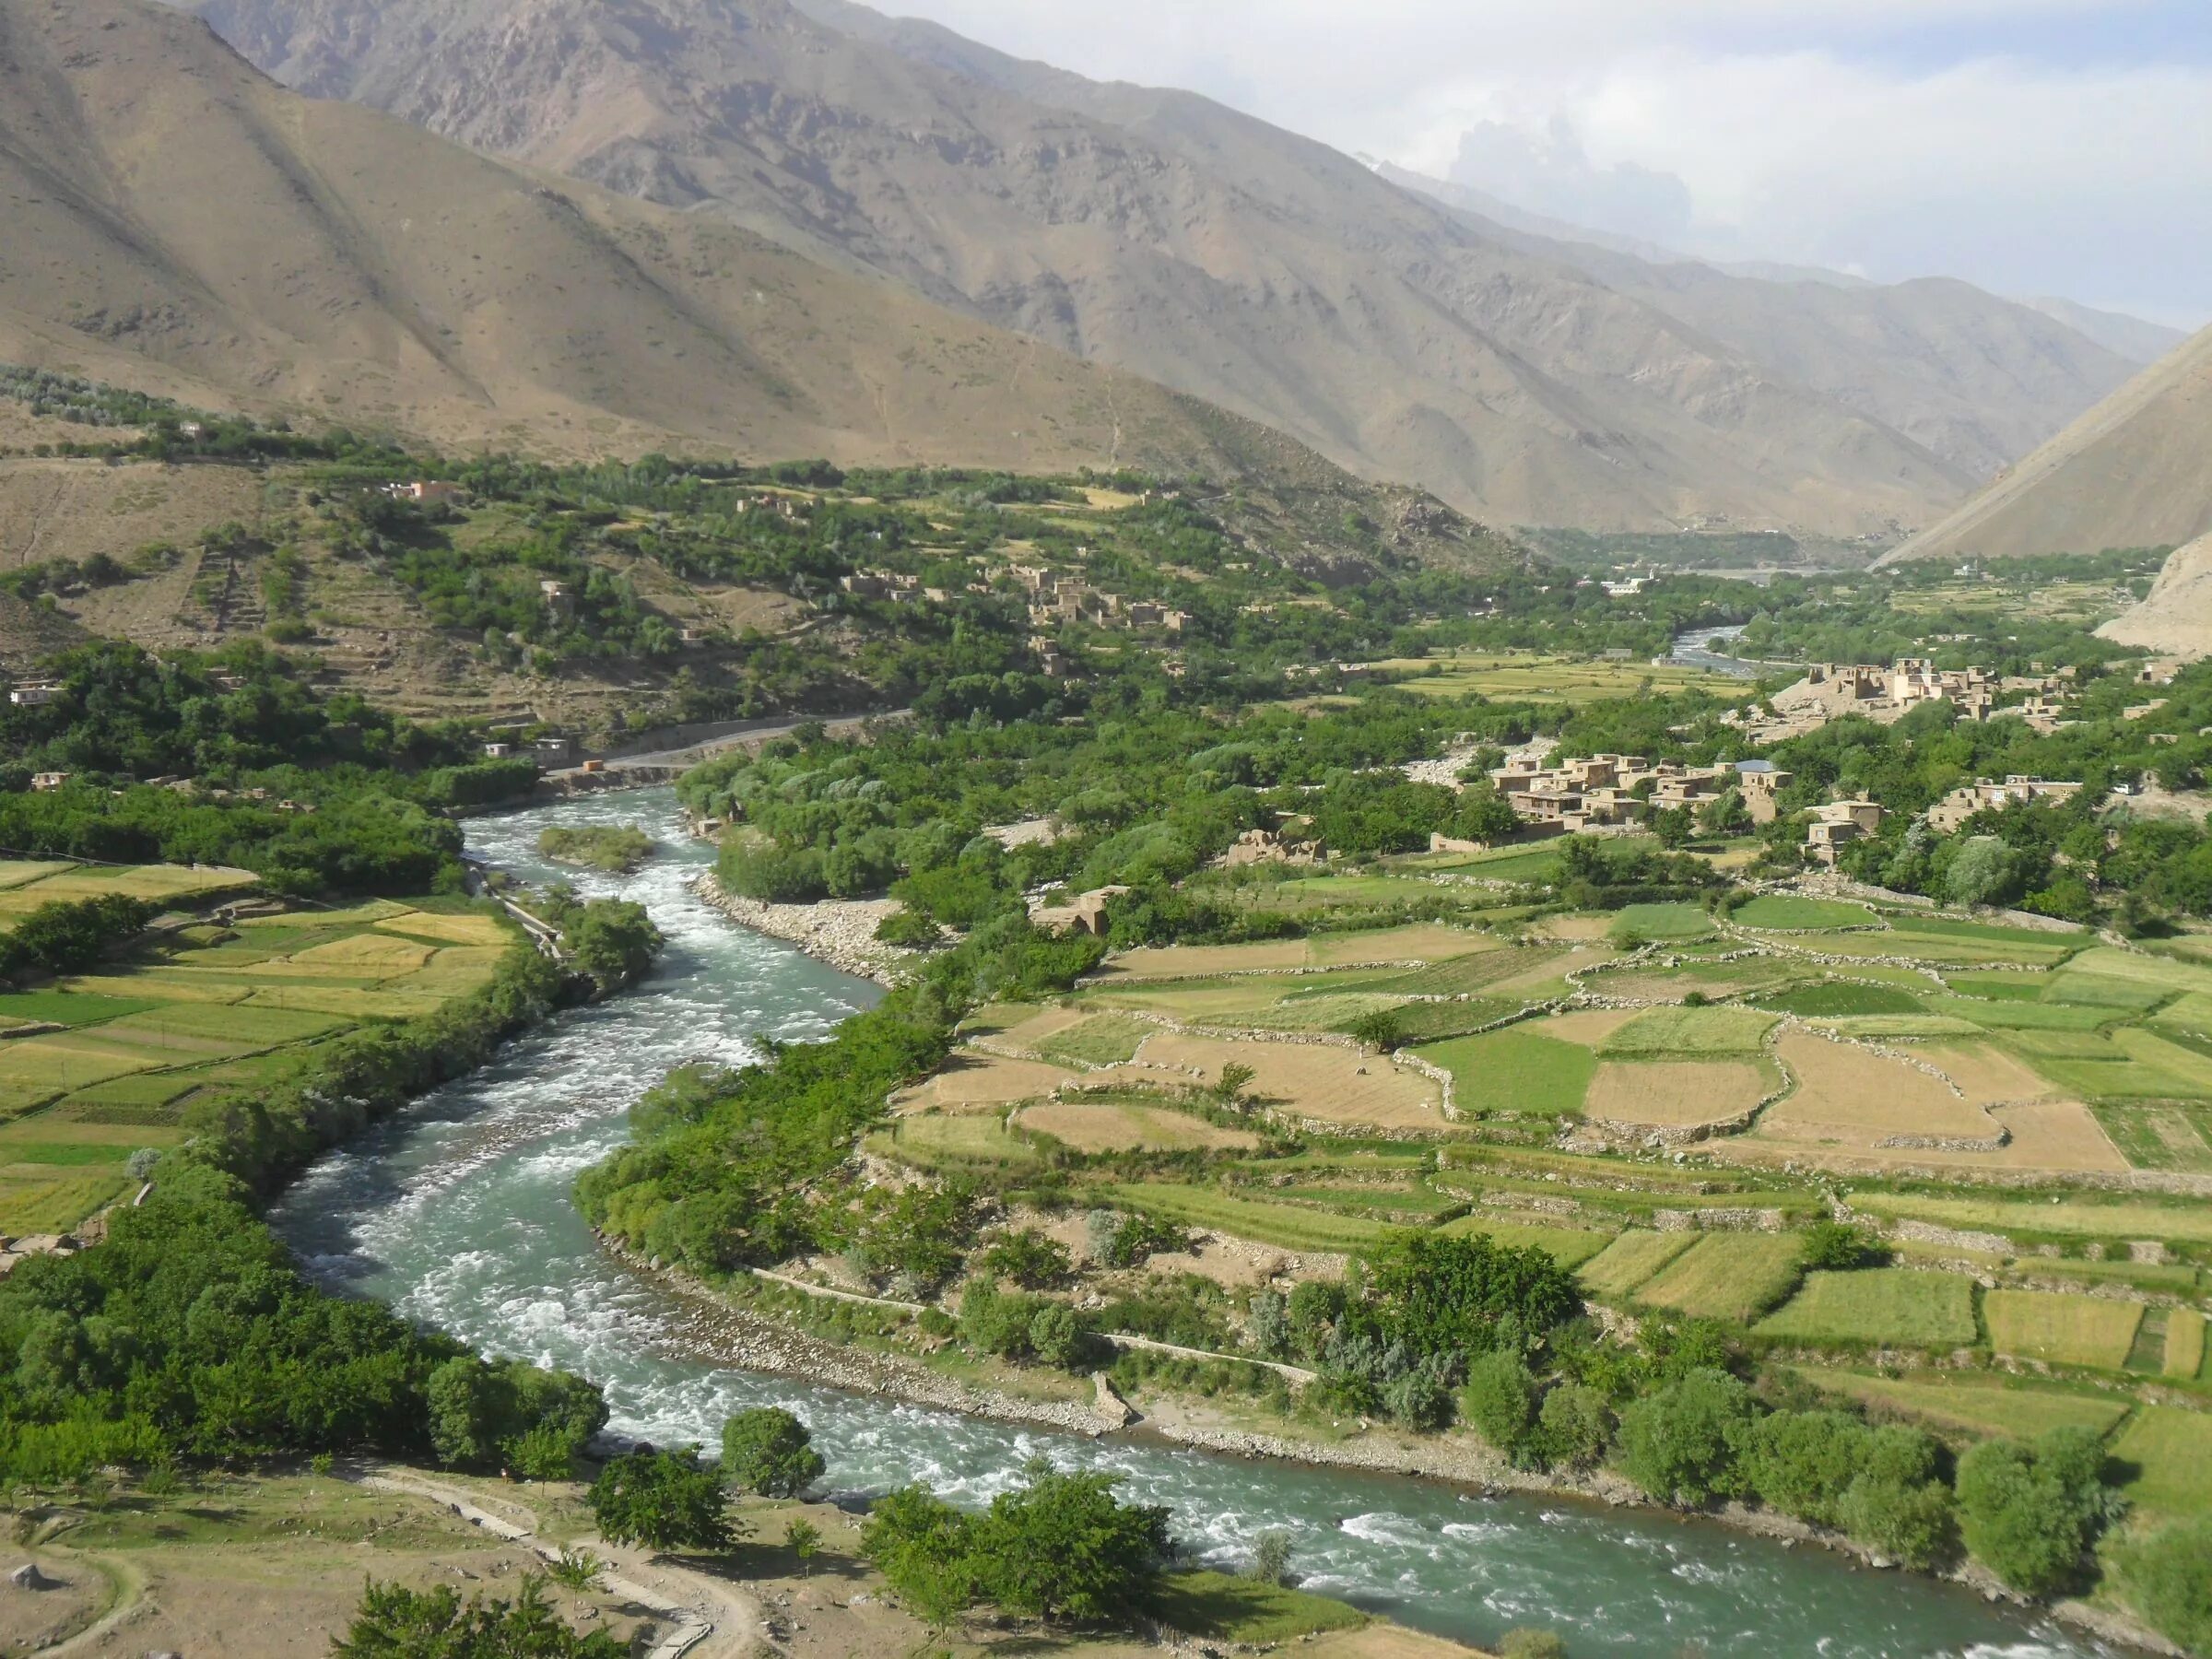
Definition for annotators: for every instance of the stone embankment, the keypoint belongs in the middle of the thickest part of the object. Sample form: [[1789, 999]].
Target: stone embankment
[[840, 932]]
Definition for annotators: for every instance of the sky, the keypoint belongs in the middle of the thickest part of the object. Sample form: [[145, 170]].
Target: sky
[[2032, 146]]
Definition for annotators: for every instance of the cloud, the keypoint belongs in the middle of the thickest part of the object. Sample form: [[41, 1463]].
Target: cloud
[[2031, 145], [1549, 172]]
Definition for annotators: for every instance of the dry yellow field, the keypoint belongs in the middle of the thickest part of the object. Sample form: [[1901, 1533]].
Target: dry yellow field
[[1202, 961], [1089, 1127], [1989, 1076], [1848, 1096], [1588, 1027], [1314, 1080], [971, 1080], [1669, 1094]]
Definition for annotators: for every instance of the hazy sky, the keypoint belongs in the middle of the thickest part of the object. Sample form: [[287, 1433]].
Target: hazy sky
[[2035, 146]]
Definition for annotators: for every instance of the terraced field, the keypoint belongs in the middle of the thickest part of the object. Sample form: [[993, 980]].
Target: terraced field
[[103, 1064]]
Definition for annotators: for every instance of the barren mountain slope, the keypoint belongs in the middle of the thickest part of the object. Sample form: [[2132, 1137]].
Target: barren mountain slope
[[1979, 380], [177, 221], [1157, 231], [2175, 617], [2134, 472]]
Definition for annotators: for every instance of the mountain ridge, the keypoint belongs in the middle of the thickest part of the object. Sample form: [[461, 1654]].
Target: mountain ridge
[[1149, 229], [2129, 473]]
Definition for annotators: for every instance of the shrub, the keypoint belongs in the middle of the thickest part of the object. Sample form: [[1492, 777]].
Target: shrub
[[1913, 1521], [1531, 1645], [394, 1622], [910, 929], [1029, 1258], [1055, 1338], [769, 1452], [1270, 1562], [2029, 1511], [1677, 1444], [1574, 1427], [1268, 1325], [1802, 1462], [664, 1501]]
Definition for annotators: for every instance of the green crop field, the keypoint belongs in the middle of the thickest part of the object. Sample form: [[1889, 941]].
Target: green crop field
[[1894, 1306], [1838, 998], [1663, 921], [1632, 1259], [2000, 987], [42, 1204], [1978, 1405], [2019, 1016], [2104, 991], [1517, 1070], [2169, 1449], [1516, 866], [2062, 1327], [2161, 1136], [1102, 1039], [1570, 1246], [1289, 1226], [1728, 1275], [2184, 1355], [1469, 973], [2136, 1219], [1690, 1033], [1785, 912]]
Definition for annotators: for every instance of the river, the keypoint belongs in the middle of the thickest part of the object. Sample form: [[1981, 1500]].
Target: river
[[458, 1213]]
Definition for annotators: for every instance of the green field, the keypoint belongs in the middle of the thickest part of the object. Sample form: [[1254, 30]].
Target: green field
[[1978, 1405], [1728, 1275], [1517, 1070], [1289, 1225], [2062, 1328], [2184, 1355], [2164, 1136], [2180, 1220], [1222, 1608], [1837, 999], [1664, 923], [1549, 680], [2169, 1452], [1689, 1033], [1893, 1306], [1570, 1246], [1514, 866], [1102, 1039], [1630, 1260], [1787, 912]]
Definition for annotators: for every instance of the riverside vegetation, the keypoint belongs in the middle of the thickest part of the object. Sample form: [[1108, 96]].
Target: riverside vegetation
[[1066, 1109]]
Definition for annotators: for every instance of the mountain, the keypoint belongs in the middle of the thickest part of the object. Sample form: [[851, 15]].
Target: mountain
[[2133, 337], [2131, 472], [2175, 618], [1153, 230], [177, 221], [1977, 380]]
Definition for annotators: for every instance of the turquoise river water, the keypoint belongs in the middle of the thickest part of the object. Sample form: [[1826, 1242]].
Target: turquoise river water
[[459, 1215]]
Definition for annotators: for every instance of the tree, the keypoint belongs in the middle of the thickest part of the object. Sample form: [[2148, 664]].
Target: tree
[[804, 1539], [664, 1501], [1064, 1546], [1270, 1562], [1501, 1400], [1677, 1443], [1725, 814], [1380, 1031], [769, 1452], [1574, 1427], [394, 1622], [1831, 1246], [1673, 825], [2029, 1512], [1984, 871], [1229, 1087], [923, 1547]]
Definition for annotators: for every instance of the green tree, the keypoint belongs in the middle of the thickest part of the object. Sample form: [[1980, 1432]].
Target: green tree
[[394, 1622], [769, 1452], [2029, 1512], [1063, 1545], [664, 1501], [1832, 1246], [804, 1539], [1502, 1400], [923, 1548], [1677, 1444], [1575, 1426], [1029, 1258]]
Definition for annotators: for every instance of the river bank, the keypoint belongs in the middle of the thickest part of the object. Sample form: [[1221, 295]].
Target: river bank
[[732, 1334], [839, 932], [459, 1214]]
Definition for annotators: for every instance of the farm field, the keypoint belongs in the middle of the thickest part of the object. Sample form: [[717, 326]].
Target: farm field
[[1689, 1033], [1115, 1128], [2171, 1450], [1547, 679], [1518, 1070], [1787, 912], [192, 1018], [1667, 923], [1421, 943], [1975, 1404], [1630, 1259], [2184, 1350], [2061, 1328], [25, 886], [1674, 1094], [2180, 1220], [1894, 1306], [1726, 1276]]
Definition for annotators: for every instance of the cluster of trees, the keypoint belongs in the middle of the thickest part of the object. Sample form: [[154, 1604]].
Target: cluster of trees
[[189, 1333], [70, 936]]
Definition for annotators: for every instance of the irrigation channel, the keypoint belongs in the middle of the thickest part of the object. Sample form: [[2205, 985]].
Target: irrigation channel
[[459, 1214]]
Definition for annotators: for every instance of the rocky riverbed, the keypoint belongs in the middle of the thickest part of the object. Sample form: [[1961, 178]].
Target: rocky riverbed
[[840, 932]]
